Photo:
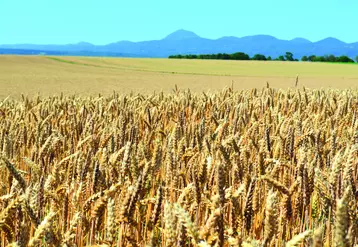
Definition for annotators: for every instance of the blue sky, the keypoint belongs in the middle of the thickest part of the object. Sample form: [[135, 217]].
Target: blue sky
[[105, 21]]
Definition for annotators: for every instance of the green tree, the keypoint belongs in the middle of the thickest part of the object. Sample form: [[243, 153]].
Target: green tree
[[281, 58], [312, 58], [331, 58], [269, 58], [259, 57], [320, 59], [289, 56], [226, 56], [344, 59], [304, 58], [357, 59], [240, 56]]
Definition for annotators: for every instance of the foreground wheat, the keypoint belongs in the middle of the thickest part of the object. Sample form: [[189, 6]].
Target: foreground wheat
[[251, 168]]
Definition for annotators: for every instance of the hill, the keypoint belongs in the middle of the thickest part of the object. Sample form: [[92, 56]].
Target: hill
[[187, 42]]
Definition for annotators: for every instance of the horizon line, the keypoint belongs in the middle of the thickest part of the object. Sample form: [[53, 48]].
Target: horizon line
[[228, 36]]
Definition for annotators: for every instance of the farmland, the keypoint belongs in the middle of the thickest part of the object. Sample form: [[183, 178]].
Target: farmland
[[89, 76], [254, 165]]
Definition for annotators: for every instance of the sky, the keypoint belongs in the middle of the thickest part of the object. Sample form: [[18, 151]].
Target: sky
[[104, 21]]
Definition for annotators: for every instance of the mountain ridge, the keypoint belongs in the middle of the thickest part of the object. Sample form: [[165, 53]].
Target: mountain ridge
[[188, 42], [181, 34]]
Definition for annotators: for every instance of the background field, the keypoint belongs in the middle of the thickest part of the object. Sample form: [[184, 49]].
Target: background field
[[86, 75]]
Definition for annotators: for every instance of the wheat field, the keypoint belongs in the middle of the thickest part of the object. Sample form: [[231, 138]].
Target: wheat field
[[257, 167], [90, 76]]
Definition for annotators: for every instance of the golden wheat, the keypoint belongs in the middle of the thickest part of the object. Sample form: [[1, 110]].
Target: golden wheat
[[250, 168]]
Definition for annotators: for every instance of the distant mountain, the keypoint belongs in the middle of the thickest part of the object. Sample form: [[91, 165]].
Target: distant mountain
[[300, 41], [331, 42], [181, 35], [12, 51], [187, 42]]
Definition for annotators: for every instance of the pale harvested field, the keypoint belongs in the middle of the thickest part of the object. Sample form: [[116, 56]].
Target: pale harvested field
[[87, 76]]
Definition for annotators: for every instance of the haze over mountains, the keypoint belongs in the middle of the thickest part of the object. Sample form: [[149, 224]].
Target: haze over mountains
[[187, 42]]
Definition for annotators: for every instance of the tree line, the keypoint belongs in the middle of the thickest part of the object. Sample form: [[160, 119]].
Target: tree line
[[288, 56], [328, 58]]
